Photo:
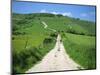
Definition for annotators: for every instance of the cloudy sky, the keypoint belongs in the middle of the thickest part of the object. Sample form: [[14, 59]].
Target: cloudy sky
[[76, 11]]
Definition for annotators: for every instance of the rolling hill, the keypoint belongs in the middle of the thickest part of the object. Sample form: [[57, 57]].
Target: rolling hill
[[31, 41]]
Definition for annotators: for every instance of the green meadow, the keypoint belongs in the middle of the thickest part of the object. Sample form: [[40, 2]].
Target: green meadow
[[81, 49], [31, 41]]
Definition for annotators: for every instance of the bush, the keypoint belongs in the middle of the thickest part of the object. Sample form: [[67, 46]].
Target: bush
[[23, 59], [47, 40], [18, 33], [75, 32], [53, 35], [26, 58]]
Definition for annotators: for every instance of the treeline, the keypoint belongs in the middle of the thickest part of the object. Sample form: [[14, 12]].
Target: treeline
[[20, 23], [33, 15], [80, 33], [77, 33]]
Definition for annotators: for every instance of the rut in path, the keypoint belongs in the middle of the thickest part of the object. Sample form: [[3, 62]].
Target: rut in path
[[57, 59]]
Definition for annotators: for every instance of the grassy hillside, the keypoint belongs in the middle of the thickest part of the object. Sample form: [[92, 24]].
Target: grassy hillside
[[57, 22], [28, 36], [31, 41], [82, 49]]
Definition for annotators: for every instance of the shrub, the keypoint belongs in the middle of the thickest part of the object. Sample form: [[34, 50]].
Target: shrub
[[47, 40], [18, 33], [53, 35]]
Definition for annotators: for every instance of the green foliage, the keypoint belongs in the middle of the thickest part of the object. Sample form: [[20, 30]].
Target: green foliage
[[89, 26], [26, 58], [68, 24], [81, 49], [31, 41], [54, 35]]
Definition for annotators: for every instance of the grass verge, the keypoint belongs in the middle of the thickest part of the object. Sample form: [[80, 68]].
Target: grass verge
[[82, 49], [27, 58]]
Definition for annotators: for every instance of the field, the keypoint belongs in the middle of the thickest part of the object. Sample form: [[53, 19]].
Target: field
[[81, 49], [31, 41]]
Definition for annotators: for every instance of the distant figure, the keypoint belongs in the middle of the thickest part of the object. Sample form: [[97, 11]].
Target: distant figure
[[58, 49], [55, 55], [59, 46], [60, 40]]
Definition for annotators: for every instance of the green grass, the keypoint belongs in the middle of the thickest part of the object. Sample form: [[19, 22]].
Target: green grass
[[81, 49], [69, 25], [27, 43], [27, 58], [28, 36], [32, 41]]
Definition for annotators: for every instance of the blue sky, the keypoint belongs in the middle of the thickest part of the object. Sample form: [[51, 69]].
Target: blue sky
[[76, 11]]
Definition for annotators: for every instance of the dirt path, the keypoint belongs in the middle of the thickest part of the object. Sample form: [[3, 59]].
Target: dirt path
[[45, 25], [57, 59]]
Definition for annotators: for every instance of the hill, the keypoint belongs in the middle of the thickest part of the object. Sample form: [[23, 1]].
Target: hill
[[31, 41]]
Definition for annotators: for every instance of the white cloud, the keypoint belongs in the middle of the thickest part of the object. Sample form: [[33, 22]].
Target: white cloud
[[64, 13], [54, 12], [43, 11], [67, 14]]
